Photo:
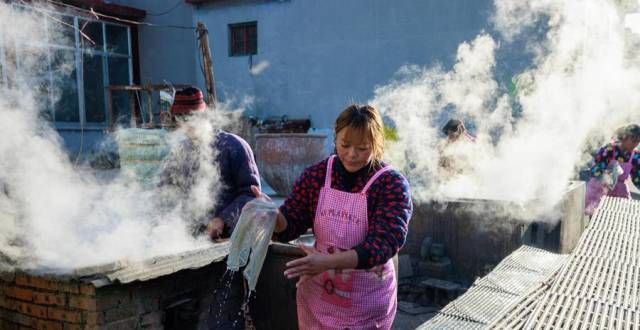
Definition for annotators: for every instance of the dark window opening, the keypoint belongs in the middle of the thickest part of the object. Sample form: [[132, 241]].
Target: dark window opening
[[243, 39]]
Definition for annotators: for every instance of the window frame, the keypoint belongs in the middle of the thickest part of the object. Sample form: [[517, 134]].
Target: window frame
[[79, 53], [231, 37]]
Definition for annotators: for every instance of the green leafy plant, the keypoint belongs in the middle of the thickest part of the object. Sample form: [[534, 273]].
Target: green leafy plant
[[390, 134]]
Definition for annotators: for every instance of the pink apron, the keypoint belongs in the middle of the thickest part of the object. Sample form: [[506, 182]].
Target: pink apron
[[348, 298], [595, 189]]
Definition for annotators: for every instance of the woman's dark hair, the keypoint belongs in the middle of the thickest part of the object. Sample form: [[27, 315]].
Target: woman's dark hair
[[453, 126], [364, 124], [632, 130]]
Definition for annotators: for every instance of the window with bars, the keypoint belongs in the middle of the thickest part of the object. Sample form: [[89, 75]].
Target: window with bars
[[71, 85], [243, 39]]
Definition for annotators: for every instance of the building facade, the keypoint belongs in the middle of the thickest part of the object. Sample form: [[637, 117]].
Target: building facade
[[297, 58]]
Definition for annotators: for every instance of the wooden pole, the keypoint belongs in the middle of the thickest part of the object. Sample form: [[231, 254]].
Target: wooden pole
[[149, 90], [207, 62]]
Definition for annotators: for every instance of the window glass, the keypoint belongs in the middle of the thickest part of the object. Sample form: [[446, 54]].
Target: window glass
[[119, 75], [61, 30], [91, 36], [50, 68], [117, 39], [243, 39], [94, 89], [66, 105], [64, 86]]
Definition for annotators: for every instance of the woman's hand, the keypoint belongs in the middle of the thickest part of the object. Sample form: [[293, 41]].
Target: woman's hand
[[215, 227], [306, 267], [259, 194], [281, 222]]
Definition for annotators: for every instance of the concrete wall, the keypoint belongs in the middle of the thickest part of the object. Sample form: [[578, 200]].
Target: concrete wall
[[166, 53], [323, 55], [319, 55]]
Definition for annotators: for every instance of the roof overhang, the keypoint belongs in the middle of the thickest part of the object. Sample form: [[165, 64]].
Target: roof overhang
[[100, 6]]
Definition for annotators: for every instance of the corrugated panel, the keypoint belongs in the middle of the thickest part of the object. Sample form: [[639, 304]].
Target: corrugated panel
[[620, 205], [521, 270], [442, 321], [629, 225], [597, 288], [125, 272], [600, 286], [517, 313], [479, 304], [562, 311], [603, 279], [503, 290]]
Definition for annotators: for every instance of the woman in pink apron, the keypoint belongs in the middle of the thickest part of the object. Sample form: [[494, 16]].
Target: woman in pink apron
[[359, 209], [613, 165]]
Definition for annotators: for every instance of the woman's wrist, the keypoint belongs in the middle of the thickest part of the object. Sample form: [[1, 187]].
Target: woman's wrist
[[342, 260], [281, 223]]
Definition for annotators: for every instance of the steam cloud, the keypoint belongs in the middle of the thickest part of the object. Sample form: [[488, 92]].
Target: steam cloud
[[56, 215], [582, 83]]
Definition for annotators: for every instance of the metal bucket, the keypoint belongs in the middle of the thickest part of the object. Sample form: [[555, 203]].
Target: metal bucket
[[283, 157], [274, 306], [477, 234]]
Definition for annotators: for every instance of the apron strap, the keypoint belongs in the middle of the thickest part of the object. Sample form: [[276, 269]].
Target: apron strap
[[327, 176], [374, 178]]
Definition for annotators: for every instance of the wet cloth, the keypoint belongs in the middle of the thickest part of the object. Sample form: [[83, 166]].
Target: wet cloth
[[250, 239], [348, 298]]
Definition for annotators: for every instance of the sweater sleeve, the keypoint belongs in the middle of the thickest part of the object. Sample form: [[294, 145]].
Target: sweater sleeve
[[244, 174], [601, 160], [390, 209], [299, 207], [635, 169]]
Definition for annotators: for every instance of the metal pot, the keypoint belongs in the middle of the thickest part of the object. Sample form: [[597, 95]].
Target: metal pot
[[282, 157]]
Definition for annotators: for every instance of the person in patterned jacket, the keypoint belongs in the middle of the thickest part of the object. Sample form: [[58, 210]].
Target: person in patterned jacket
[[612, 165], [359, 208]]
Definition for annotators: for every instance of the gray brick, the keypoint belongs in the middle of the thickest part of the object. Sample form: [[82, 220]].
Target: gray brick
[[151, 319], [120, 313], [128, 324]]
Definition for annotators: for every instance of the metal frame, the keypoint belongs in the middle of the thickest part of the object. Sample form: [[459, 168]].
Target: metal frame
[[244, 26], [139, 121], [79, 54]]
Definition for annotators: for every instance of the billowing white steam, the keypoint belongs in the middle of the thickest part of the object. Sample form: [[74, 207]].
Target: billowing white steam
[[583, 82], [55, 215]]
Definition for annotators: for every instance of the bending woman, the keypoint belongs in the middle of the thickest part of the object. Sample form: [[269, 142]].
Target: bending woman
[[359, 209], [612, 165]]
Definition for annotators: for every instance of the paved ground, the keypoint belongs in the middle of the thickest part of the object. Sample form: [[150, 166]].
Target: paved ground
[[406, 321]]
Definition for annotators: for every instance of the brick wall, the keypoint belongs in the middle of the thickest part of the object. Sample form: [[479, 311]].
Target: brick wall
[[31, 302], [38, 302]]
